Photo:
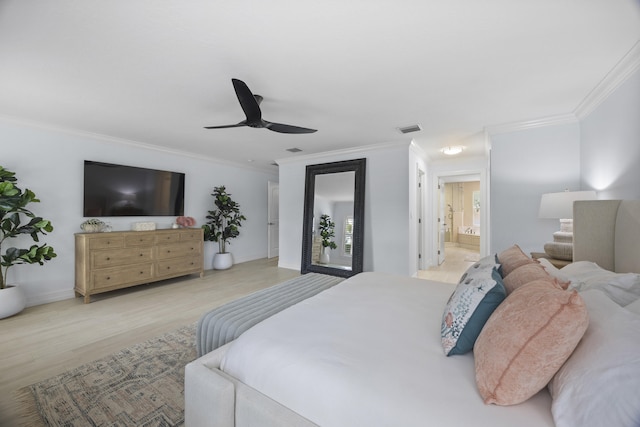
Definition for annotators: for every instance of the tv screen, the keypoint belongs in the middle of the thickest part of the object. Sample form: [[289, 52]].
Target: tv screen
[[117, 190]]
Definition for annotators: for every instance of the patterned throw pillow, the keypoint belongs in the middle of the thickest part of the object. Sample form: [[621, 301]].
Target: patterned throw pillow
[[478, 294]]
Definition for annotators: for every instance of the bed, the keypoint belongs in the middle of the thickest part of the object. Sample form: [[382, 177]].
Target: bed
[[371, 350]]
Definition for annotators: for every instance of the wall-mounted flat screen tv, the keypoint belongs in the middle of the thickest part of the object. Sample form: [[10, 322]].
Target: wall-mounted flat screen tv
[[117, 190]]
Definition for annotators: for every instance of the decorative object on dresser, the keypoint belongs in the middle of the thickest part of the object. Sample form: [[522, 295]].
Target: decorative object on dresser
[[560, 206], [13, 210], [185, 221], [116, 260], [94, 225], [222, 225], [143, 226]]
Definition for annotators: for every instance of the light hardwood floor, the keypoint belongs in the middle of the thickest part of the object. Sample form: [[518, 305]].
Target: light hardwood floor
[[49, 339]]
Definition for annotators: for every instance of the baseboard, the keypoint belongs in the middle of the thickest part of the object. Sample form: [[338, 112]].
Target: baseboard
[[44, 298]]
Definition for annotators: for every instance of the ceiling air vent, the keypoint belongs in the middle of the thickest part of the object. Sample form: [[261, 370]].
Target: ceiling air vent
[[409, 129], [294, 150]]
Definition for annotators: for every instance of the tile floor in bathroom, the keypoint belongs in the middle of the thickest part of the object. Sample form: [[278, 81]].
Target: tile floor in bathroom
[[456, 262]]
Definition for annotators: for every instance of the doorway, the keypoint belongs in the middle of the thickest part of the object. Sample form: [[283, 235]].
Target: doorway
[[461, 205], [273, 220]]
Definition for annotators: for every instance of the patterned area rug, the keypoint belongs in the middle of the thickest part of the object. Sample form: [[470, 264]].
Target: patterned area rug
[[139, 386]]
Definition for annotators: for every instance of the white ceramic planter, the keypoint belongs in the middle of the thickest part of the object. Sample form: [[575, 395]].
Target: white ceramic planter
[[324, 256], [12, 301], [222, 261]]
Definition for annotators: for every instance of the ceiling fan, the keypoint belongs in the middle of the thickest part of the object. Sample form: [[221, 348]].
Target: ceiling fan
[[250, 104]]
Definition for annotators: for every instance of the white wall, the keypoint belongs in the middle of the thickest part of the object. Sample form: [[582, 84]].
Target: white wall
[[50, 163], [610, 151], [524, 165], [386, 228]]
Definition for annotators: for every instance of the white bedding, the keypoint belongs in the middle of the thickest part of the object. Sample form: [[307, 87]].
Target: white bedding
[[368, 353]]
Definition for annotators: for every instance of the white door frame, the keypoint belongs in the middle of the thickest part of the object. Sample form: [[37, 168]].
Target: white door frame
[[420, 188], [451, 176], [273, 220]]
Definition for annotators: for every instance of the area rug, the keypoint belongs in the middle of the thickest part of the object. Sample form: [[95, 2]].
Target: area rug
[[139, 386]]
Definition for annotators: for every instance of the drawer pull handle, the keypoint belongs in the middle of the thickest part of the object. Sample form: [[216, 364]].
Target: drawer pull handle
[[108, 259], [141, 254], [108, 277]]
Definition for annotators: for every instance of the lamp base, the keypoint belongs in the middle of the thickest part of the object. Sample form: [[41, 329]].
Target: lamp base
[[566, 225]]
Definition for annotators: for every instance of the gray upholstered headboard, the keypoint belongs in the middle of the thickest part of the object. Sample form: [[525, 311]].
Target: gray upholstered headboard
[[607, 232]]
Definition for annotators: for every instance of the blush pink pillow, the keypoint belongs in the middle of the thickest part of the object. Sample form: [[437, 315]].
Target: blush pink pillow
[[524, 274], [512, 258], [526, 340]]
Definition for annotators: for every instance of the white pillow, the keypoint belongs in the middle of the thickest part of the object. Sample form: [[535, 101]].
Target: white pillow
[[623, 288], [634, 307], [552, 269], [598, 384]]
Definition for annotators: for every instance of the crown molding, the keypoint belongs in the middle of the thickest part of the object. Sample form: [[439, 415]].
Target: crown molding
[[628, 65], [137, 144], [532, 124]]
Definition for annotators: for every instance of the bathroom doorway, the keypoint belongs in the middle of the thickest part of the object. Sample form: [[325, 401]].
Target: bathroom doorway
[[462, 214], [459, 217]]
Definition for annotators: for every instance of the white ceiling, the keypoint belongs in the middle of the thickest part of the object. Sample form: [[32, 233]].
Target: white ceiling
[[156, 71]]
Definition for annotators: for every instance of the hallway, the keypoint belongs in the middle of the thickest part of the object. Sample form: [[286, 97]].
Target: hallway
[[456, 262]]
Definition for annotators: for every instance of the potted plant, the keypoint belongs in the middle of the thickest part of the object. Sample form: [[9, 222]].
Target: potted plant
[[13, 210], [222, 225], [326, 228]]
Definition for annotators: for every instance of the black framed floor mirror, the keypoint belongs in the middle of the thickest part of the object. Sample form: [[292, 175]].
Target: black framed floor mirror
[[333, 222]]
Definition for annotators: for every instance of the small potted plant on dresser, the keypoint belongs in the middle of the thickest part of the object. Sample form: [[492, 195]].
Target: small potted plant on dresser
[[13, 211], [222, 225]]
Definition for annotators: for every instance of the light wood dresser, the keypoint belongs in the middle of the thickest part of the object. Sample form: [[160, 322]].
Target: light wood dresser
[[120, 259]]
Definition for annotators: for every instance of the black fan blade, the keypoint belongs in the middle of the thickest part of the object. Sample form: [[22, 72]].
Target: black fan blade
[[279, 127], [239, 125], [248, 102]]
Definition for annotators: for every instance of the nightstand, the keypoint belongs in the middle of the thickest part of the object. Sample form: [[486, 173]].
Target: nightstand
[[559, 263]]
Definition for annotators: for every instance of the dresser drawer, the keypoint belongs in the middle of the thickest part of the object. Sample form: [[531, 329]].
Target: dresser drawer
[[106, 242], [101, 259], [170, 237], [177, 266], [186, 249], [188, 235], [140, 240], [113, 277]]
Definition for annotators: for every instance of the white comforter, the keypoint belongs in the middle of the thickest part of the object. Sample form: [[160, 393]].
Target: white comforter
[[367, 353]]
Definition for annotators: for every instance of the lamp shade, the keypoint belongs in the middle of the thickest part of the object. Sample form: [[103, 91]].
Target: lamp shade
[[560, 205]]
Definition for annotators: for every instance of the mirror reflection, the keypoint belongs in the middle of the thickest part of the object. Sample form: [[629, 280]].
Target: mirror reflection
[[333, 220]]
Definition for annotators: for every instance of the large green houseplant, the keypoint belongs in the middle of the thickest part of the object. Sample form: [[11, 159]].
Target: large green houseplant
[[223, 224], [17, 220]]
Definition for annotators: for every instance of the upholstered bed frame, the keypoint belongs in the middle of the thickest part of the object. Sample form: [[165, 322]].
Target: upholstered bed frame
[[605, 232]]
